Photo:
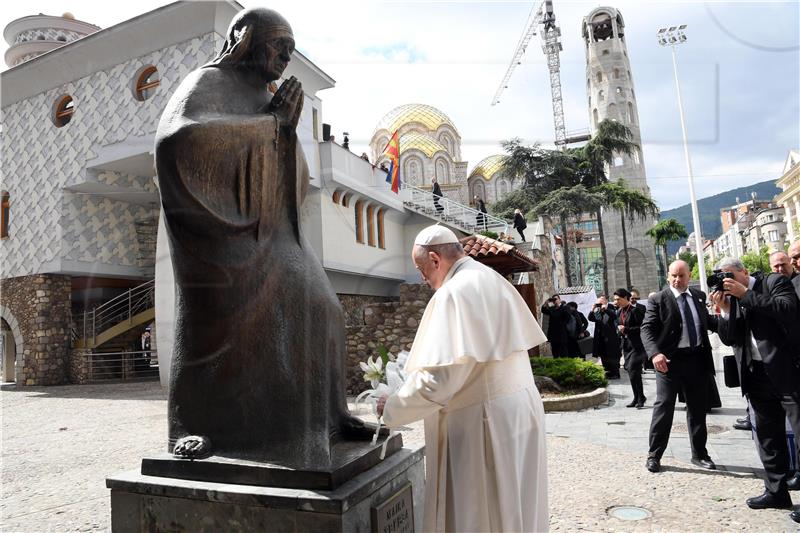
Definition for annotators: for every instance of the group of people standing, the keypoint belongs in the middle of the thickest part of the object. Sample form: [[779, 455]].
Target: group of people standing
[[616, 334], [758, 316]]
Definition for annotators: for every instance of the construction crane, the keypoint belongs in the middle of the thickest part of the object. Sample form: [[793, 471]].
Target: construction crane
[[550, 35]]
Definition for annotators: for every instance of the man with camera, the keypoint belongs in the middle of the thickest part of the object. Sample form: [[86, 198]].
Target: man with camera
[[759, 319], [559, 316], [675, 337], [606, 343]]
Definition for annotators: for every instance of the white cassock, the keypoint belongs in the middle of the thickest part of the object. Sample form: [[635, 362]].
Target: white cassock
[[469, 377]]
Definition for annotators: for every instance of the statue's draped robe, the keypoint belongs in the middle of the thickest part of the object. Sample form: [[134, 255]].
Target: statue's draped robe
[[259, 347], [470, 379]]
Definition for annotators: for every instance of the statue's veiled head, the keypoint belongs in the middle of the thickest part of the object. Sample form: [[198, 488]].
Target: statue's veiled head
[[259, 41]]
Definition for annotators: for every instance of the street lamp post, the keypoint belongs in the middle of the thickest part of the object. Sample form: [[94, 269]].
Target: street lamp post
[[670, 37]]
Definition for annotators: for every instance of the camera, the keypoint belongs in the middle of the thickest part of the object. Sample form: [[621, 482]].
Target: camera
[[716, 280]]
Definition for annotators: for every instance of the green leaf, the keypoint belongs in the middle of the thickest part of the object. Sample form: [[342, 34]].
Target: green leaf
[[384, 354]]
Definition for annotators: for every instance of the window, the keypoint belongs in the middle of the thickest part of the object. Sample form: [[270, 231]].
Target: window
[[636, 158], [616, 73], [4, 212], [601, 96], [620, 91], [146, 82], [381, 236], [371, 225], [599, 77], [314, 125], [441, 171], [633, 95], [64, 109], [605, 52], [631, 114], [618, 161], [594, 116], [359, 221], [773, 235]]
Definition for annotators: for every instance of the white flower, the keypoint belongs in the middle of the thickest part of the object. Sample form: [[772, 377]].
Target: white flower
[[373, 371], [394, 376], [402, 358]]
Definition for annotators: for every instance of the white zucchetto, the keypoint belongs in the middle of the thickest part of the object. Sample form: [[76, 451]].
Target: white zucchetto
[[435, 234]]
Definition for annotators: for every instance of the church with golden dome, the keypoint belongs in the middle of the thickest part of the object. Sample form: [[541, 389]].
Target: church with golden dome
[[430, 146]]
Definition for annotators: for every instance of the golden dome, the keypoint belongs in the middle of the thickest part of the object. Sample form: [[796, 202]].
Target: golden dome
[[429, 117], [423, 143], [488, 167]]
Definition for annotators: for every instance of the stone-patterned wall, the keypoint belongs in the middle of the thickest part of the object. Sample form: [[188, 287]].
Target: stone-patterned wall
[[41, 306], [79, 366], [391, 324], [355, 304], [40, 160]]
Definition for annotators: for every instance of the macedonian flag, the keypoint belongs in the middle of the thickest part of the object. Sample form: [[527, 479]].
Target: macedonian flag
[[392, 151]]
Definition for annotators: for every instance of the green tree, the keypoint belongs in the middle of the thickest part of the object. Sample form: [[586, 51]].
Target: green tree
[[611, 139], [696, 269], [543, 171], [566, 203], [631, 204], [690, 258], [538, 170], [516, 199], [665, 231], [757, 261]]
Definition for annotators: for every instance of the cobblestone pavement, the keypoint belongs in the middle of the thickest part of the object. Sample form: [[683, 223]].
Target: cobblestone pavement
[[60, 443]]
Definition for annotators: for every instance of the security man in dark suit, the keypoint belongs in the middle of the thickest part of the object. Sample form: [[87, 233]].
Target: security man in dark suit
[[675, 337], [760, 321]]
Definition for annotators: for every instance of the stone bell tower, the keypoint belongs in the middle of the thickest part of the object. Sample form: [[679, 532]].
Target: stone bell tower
[[610, 89]]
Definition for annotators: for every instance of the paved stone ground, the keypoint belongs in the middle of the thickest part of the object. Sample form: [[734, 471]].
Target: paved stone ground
[[59, 444]]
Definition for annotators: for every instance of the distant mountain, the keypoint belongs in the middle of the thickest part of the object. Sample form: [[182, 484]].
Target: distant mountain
[[708, 208]]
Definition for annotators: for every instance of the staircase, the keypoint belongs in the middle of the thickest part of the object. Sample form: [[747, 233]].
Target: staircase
[[115, 317], [450, 213]]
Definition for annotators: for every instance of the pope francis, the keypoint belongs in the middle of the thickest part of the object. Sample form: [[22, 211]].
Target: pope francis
[[470, 379]]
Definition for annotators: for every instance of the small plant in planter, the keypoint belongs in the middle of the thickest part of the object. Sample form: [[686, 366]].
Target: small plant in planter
[[570, 373]]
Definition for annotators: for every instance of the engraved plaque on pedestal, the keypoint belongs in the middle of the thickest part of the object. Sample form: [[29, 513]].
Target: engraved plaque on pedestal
[[396, 514]]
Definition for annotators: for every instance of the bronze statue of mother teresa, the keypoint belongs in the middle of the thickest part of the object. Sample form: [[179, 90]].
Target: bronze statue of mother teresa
[[257, 368]]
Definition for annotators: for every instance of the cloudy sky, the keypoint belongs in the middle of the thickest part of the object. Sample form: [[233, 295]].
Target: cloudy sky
[[739, 73]]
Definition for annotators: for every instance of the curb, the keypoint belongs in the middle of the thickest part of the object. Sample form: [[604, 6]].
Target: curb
[[577, 402]]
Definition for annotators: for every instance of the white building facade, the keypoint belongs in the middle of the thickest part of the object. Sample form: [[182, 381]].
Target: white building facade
[[789, 198]]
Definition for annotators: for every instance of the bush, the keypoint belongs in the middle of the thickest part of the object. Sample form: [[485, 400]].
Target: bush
[[489, 233], [569, 372]]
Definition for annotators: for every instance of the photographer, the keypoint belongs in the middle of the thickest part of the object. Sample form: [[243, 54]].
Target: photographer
[[606, 344], [759, 319], [559, 316]]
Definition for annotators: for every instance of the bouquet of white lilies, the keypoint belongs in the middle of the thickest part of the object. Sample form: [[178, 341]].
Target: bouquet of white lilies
[[386, 375]]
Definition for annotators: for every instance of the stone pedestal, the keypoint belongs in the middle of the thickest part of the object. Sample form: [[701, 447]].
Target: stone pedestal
[[382, 494]]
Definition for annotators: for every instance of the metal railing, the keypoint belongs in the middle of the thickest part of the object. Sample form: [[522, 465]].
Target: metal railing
[[117, 310], [120, 366], [451, 212]]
